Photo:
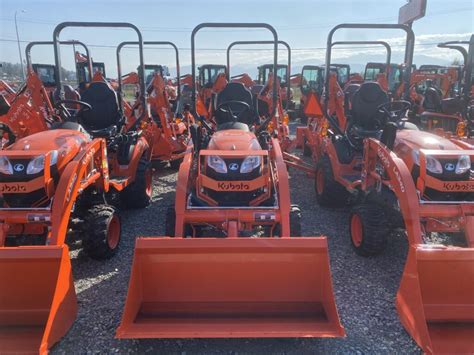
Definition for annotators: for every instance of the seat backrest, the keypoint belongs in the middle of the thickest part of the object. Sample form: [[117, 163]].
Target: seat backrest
[[235, 92], [432, 100], [105, 109], [365, 103], [349, 92], [451, 105]]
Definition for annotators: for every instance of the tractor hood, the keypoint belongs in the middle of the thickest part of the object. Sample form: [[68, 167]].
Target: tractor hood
[[66, 142], [234, 139], [423, 140]]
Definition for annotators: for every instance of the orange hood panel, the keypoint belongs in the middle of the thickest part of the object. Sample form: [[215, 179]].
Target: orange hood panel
[[234, 139]]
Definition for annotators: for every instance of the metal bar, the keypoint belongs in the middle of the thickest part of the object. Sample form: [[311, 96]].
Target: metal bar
[[382, 43], [409, 48], [72, 42], [157, 43], [232, 25], [288, 72], [57, 55]]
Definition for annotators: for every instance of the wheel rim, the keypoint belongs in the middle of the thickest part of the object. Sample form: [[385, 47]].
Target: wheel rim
[[148, 182], [356, 230], [319, 181], [113, 232]]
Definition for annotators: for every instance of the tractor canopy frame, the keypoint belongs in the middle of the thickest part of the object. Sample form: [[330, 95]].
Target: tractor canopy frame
[[30, 46], [409, 48], [232, 25], [288, 72], [152, 43], [57, 56]]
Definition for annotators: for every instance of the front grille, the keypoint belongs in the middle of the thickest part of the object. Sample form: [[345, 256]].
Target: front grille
[[35, 198], [234, 198]]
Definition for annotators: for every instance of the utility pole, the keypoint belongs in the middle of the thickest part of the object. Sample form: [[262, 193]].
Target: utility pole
[[19, 47]]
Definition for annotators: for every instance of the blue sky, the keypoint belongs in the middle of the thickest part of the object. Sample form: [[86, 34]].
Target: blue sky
[[302, 23]]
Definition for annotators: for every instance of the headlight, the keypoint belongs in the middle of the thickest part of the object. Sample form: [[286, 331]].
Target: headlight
[[37, 164], [463, 165], [217, 163], [5, 166], [432, 164], [250, 163]]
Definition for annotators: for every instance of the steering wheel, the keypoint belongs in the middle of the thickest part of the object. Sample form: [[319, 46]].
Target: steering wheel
[[225, 107], [84, 105], [395, 110]]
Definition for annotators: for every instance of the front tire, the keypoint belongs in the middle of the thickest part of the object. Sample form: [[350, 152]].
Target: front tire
[[103, 231], [368, 229], [138, 193]]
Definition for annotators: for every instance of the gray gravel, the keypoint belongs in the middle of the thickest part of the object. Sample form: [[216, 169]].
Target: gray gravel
[[365, 288]]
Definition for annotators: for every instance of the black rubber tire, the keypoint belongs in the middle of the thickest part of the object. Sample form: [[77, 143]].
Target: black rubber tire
[[306, 149], [96, 228], [332, 193], [136, 195], [374, 229], [170, 221], [295, 221], [174, 164]]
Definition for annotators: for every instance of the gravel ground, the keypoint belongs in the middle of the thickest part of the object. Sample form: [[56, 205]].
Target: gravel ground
[[365, 288]]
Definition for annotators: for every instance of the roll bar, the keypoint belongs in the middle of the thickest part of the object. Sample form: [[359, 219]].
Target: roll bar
[[288, 72], [30, 45], [382, 43], [57, 55], [154, 43], [232, 25], [409, 48], [456, 45]]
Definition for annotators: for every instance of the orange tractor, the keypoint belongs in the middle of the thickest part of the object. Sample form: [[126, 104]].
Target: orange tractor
[[167, 130], [453, 114], [55, 183], [231, 185], [401, 178]]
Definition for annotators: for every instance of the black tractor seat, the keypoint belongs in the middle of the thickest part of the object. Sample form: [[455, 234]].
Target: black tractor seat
[[105, 118], [232, 94], [365, 107]]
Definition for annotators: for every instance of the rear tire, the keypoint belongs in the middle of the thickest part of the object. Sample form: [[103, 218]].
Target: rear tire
[[329, 193], [103, 231], [368, 229], [138, 193], [295, 221], [174, 164]]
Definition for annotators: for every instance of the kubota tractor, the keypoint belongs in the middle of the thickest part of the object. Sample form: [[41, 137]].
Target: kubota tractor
[[167, 129], [402, 178], [208, 278], [55, 183]]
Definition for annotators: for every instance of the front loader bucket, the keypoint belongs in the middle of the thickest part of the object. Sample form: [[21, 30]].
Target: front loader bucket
[[37, 298], [230, 288], [435, 301]]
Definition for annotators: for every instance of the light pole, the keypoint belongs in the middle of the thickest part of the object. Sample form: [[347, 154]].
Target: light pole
[[19, 47]]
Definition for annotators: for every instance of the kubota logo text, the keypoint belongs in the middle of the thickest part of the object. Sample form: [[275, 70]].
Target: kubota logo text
[[12, 188], [231, 186]]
